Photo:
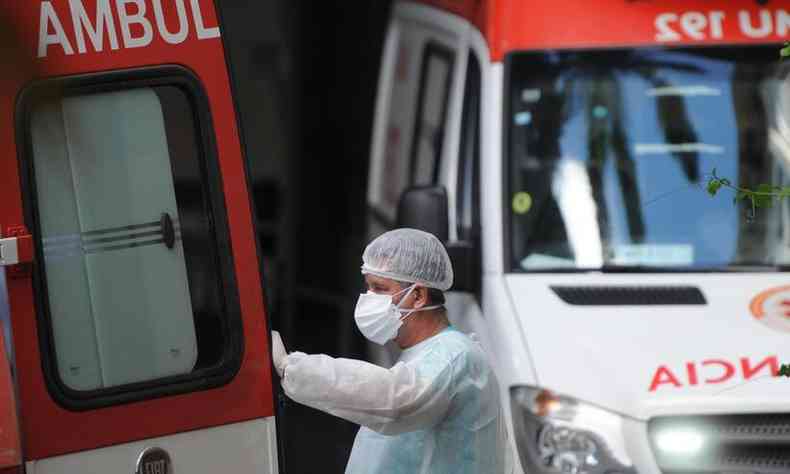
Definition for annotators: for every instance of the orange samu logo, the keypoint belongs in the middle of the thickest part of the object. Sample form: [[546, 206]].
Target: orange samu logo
[[772, 308]]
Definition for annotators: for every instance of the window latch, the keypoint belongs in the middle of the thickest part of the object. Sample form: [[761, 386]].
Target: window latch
[[16, 250]]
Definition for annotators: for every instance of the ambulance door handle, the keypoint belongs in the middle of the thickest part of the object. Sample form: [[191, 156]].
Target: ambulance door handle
[[16, 250], [168, 230]]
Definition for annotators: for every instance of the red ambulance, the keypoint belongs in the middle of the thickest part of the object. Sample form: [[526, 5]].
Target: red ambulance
[[135, 336]]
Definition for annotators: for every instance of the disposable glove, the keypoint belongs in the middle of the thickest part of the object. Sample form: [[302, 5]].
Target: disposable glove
[[278, 353]]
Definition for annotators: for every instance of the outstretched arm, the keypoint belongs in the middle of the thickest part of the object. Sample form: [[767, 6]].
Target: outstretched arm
[[389, 401]]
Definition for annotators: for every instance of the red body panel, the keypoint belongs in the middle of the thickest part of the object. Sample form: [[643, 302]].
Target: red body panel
[[48, 429], [511, 25]]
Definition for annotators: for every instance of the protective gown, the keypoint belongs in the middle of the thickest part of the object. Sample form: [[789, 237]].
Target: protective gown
[[437, 410]]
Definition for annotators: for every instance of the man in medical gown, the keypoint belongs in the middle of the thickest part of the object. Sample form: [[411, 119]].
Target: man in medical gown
[[437, 410]]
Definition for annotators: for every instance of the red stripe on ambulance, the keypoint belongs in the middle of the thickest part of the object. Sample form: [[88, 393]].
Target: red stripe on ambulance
[[517, 25]]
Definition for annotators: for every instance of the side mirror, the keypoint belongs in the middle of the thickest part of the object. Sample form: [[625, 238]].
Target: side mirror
[[465, 256], [425, 208]]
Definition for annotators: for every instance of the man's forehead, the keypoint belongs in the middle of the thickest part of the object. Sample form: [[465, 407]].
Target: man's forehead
[[379, 280]]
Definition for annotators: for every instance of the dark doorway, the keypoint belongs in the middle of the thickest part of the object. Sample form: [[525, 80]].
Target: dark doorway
[[305, 75]]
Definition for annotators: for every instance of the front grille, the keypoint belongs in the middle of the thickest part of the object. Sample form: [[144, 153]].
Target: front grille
[[733, 444], [629, 295]]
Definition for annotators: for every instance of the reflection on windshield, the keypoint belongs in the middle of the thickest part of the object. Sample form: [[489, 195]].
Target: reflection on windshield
[[611, 149]]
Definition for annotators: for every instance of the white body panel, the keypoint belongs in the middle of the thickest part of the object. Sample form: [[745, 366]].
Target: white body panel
[[622, 348], [244, 448]]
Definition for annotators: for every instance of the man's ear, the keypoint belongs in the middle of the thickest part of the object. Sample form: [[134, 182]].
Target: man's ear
[[420, 297]]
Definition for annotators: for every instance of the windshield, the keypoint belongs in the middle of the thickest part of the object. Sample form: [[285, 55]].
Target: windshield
[[609, 153]]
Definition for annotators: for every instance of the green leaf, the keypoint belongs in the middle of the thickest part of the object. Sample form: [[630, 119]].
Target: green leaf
[[767, 188], [763, 196], [763, 202], [785, 51], [713, 186]]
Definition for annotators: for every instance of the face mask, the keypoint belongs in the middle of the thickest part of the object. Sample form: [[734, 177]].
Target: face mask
[[378, 319]]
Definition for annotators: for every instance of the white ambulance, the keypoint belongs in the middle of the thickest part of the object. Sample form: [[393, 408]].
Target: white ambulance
[[561, 150], [135, 336]]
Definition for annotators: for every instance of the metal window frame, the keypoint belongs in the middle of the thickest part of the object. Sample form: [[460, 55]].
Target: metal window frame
[[471, 112]]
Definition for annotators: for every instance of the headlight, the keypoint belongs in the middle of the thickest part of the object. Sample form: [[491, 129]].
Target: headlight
[[557, 434]]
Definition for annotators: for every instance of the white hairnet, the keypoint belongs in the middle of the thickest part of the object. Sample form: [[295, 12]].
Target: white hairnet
[[409, 255]]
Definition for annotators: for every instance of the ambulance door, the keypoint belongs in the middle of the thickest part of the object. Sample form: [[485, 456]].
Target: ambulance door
[[463, 178], [430, 103], [414, 110], [141, 342], [416, 90]]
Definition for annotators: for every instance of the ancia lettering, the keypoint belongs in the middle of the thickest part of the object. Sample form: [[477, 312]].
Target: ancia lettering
[[138, 24], [711, 372]]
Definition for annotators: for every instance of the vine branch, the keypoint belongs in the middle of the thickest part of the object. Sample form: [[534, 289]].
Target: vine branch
[[763, 196]]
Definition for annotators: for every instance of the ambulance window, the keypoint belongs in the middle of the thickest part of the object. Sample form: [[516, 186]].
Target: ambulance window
[[468, 195], [435, 81], [390, 173], [134, 284]]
